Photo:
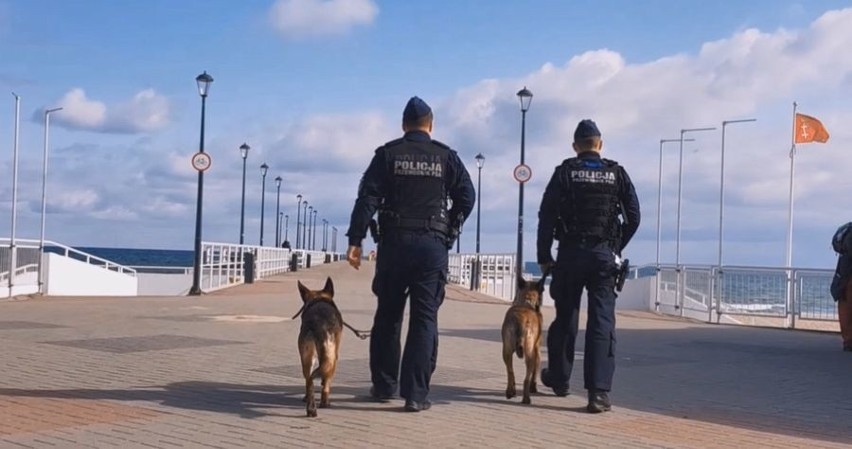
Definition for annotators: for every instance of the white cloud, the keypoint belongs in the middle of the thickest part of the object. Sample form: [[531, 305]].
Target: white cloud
[[298, 18], [146, 111]]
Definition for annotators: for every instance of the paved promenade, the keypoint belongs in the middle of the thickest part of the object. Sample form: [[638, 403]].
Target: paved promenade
[[222, 371]]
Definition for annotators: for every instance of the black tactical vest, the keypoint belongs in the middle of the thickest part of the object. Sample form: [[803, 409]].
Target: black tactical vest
[[590, 210], [418, 194]]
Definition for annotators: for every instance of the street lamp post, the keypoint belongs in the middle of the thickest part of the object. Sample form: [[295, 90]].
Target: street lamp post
[[244, 149], [679, 282], [314, 232], [278, 213], [286, 227], [525, 96], [47, 113], [324, 235], [659, 215], [722, 184], [307, 219], [680, 188], [480, 162], [13, 257], [298, 220], [203, 81], [263, 169], [333, 239], [305, 224]]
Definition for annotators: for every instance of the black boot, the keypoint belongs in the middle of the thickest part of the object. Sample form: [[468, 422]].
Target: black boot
[[558, 390], [598, 402]]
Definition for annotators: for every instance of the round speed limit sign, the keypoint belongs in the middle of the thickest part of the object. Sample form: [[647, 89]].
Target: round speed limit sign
[[522, 173], [201, 161]]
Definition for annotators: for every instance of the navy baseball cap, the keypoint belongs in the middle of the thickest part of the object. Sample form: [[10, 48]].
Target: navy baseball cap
[[585, 129], [415, 109]]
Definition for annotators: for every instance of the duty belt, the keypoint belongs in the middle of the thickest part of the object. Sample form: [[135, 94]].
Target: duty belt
[[585, 242], [416, 223]]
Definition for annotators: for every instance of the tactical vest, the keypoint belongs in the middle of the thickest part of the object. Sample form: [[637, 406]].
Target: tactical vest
[[590, 211], [418, 194]]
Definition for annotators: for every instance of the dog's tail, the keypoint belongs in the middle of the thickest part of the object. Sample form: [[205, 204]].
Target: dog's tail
[[519, 342]]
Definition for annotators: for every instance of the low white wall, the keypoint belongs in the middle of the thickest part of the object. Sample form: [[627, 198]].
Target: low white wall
[[69, 277], [164, 284], [637, 294], [25, 284]]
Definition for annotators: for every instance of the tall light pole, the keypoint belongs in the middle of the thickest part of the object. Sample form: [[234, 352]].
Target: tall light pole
[[307, 219], [680, 187], [659, 214], [298, 221], [286, 227], [47, 113], [244, 149], [305, 224], [722, 184], [13, 255], [324, 235], [263, 169], [480, 162], [314, 233], [278, 213], [333, 239], [203, 81], [525, 96]]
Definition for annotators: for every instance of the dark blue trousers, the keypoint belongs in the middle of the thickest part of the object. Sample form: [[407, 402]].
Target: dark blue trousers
[[408, 264], [594, 270]]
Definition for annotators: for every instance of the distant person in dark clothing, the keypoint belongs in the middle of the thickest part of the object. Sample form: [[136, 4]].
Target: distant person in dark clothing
[[841, 291]]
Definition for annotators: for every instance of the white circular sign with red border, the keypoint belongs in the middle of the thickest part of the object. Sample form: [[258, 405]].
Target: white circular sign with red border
[[201, 161], [522, 173]]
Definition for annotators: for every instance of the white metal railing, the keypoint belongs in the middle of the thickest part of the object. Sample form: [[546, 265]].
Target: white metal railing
[[495, 277], [223, 264], [25, 258], [711, 293]]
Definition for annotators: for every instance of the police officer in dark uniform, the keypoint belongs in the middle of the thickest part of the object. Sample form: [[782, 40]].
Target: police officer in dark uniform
[[581, 207], [409, 182]]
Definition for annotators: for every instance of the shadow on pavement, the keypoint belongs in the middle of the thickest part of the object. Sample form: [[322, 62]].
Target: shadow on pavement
[[770, 380]]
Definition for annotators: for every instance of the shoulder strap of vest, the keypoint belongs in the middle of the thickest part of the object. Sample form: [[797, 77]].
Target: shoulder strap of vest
[[609, 162], [394, 142], [440, 144]]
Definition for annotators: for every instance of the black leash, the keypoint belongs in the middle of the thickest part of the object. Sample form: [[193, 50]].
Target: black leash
[[358, 333]]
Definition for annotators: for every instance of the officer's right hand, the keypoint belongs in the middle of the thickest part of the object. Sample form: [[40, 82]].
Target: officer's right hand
[[353, 255]]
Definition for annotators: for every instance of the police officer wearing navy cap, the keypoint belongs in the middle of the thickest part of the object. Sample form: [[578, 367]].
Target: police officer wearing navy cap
[[409, 182], [590, 206]]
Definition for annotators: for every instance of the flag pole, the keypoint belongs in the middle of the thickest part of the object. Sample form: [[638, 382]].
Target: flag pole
[[790, 206], [790, 318]]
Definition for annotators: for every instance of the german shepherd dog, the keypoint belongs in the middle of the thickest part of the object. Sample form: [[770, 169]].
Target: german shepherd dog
[[522, 335], [319, 338]]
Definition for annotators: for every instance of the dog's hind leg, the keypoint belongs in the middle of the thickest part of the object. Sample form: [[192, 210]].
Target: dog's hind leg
[[327, 365], [307, 348], [509, 345], [531, 361], [537, 353]]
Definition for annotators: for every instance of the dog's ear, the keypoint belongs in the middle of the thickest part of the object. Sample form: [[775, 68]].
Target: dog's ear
[[304, 291], [522, 283], [329, 287], [540, 285]]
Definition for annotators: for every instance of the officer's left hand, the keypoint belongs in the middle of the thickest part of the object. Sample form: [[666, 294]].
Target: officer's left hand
[[353, 255], [545, 267]]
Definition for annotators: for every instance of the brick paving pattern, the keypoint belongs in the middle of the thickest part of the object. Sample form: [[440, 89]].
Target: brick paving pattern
[[222, 371]]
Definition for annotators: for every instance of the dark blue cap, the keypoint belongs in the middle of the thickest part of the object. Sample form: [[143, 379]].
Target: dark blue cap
[[415, 109], [585, 129]]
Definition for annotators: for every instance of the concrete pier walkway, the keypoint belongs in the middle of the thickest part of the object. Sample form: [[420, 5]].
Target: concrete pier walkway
[[222, 371]]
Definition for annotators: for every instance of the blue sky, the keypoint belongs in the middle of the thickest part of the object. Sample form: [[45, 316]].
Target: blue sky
[[314, 86]]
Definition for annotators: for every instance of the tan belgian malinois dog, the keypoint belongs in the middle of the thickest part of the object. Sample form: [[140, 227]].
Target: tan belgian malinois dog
[[319, 339], [522, 335]]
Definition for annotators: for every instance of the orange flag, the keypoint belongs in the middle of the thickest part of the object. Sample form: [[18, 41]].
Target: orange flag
[[809, 129]]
